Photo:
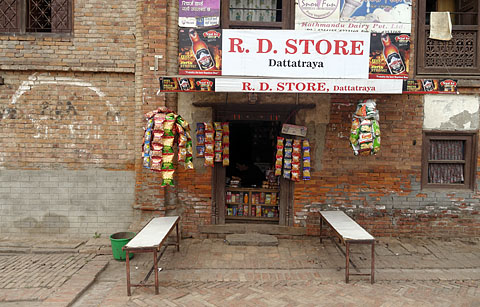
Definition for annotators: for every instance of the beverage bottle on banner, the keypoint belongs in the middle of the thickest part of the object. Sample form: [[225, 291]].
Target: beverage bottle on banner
[[349, 7], [200, 50], [392, 56]]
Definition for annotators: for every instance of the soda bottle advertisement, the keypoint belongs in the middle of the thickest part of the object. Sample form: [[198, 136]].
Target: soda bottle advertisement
[[184, 84], [389, 55], [200, 52]]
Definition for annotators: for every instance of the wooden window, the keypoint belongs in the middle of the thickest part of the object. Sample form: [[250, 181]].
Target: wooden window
[[36, 16], [257, 14], [454, 58], [449, 160]]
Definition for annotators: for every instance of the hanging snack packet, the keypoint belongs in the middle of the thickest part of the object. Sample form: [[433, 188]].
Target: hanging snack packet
[[306, 174], [225, 127], [306, 163], [200, 128], [167, 178], [295, 175], [200, 151], [189, 162], [209, 148], [288, 142], [209, 137], [287, 173], [218, 156], [182, 154], [208, 127], [226, 160], [209, 159], [288, 152]]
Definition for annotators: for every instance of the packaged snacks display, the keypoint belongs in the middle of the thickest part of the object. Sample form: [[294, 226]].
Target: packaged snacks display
[[279, 156], [163, 126], [365, 130], [306, 160]]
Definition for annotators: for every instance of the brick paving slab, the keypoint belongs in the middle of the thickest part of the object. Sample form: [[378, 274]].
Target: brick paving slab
[[297, 273]]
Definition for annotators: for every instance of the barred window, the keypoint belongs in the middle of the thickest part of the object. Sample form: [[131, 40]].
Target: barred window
[[449, 160], [257, 14], [36, 16]]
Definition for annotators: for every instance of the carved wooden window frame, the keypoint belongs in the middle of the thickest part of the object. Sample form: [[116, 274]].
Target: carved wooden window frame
[[451, 52], [469, 162], [20, 17]]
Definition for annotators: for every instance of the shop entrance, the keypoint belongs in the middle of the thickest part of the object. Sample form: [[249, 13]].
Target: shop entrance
[[247, 191], [252, 191]]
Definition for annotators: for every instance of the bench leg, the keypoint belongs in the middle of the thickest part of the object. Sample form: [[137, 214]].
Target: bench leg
[[178, 239], [155, 265], [372, 273], [347, 263], [321, 228], [128, 274]]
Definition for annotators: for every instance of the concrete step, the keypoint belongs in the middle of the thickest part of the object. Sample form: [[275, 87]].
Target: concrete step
[[238, 228], [251, 239]]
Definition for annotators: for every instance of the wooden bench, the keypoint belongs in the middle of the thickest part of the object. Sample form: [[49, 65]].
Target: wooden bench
[[348, 232], [150, 239]]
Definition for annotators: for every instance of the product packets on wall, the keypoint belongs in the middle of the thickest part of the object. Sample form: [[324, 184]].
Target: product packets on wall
[[213, 143], [365, 130]]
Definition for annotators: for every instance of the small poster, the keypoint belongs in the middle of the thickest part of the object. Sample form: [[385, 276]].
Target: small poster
[[430, 86], [200, 52], [185, 84], [199, 13], [389, 54], [393, 16]]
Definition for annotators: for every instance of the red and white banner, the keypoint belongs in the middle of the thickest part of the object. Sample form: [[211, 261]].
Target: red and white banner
[[343, 86], [295, 54]]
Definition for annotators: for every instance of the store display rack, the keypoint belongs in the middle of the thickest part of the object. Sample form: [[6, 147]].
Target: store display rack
[[251, 204]]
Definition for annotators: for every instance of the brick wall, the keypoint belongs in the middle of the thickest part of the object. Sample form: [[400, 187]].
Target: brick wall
[[66, 161], [103, 40], [383, 192]]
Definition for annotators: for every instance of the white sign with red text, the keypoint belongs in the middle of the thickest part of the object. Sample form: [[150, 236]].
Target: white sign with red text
[[297, 54], [344, 86]]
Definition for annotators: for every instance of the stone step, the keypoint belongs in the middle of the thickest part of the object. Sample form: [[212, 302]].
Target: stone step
[[238, 228], [251, 239]]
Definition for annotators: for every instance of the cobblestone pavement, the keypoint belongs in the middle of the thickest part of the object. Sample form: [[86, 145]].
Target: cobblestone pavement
[[303, 272], [413, 272]]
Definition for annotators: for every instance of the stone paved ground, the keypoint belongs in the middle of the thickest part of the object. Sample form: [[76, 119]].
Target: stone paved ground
[[409, 272]]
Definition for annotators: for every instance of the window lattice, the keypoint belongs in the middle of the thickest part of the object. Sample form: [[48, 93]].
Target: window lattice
[[8, 15], [48, 16], [459, 52]]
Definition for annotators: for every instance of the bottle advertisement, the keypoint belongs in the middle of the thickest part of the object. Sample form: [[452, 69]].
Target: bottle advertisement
[[389, 55], [200, 52], [184, 84]]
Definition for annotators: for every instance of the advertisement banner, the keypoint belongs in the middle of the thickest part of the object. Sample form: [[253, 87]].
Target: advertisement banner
[[354, 15], [430, 86], [199, 13], [290, 53], [389, 54], [185, 84], [199, 52], [344, 86]]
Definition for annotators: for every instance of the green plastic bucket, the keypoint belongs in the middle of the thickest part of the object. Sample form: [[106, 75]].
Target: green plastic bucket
[[119, 240]]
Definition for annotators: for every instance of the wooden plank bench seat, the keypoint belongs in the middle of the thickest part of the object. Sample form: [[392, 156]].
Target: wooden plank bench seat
[[348, 232], [150, 239]]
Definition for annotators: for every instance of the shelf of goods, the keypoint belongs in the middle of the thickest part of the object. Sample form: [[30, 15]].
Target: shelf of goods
[[256, 204]]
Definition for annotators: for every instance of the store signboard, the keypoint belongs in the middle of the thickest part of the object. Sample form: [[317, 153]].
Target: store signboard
[[199, 52], [199, 13], [389, 53], [294, 130], [344, 86], [290, 53], [186, 84], [392, 16], [430, 86]]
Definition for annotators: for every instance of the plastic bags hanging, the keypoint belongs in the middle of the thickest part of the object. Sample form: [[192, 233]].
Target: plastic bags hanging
[[365, 130]]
